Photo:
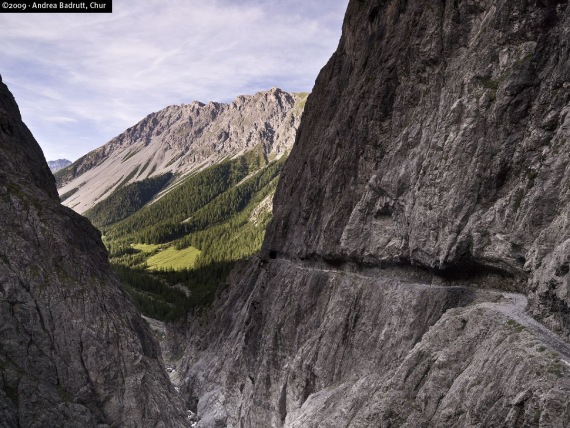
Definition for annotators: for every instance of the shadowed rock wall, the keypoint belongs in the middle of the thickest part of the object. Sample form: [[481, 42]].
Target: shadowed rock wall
[[73, 349]]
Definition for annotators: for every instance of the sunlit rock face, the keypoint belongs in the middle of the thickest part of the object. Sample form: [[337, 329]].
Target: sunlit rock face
[[444, 144], [183, 139], [73, 349], [58, 164], [421, 222]]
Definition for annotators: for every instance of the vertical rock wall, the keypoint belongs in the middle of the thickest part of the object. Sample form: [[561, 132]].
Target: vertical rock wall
[[426, 201], [73, 349], [438, 135]]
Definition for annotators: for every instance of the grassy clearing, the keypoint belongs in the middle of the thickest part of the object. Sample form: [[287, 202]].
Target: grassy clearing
[[147, 248], [171, 258]]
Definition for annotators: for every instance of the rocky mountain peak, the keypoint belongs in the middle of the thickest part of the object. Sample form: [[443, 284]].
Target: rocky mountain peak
[[181, 139], [58, 164]]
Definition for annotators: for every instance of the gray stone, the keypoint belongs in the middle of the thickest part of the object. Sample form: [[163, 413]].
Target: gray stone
[[438, 136], [73, 349], [421, 219]]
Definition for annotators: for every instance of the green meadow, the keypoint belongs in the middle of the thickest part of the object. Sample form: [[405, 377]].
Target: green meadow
[[171, 258]]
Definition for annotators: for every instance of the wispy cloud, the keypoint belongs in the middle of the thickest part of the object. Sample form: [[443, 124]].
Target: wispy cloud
[[60, 119], [82, 79]]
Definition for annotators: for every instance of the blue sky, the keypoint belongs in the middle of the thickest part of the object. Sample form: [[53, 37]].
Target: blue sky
[[81, 79]]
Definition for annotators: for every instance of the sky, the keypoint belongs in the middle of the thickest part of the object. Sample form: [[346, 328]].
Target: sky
[[82, 79]]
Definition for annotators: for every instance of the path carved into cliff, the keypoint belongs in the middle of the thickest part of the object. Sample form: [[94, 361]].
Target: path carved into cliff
[[512, 305]]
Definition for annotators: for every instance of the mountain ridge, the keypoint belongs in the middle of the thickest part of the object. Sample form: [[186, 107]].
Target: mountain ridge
[[181, 140], [58, 164]]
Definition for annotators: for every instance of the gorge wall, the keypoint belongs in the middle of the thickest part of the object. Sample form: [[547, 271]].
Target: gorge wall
[[73, 349], [420, 220]]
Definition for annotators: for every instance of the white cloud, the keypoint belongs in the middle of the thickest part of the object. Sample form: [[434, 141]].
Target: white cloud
[[60, 119], [81, 79]]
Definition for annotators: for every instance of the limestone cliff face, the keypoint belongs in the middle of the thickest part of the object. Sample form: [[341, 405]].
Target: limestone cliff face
[[73, 350], [439, 136], [182, 139], [425, 203]]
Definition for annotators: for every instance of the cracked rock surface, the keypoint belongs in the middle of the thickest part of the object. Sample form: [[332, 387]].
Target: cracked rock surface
[[415, 272], [73, 349], [445, 143], [302, 344]]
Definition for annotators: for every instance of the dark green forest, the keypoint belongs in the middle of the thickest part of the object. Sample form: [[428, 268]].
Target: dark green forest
[[127, 200], [216, 211]]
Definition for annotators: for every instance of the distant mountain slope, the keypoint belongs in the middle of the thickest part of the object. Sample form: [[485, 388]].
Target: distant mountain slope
[[126, 200], [180, 140], [175, 230], [58, 164], [173, 255]]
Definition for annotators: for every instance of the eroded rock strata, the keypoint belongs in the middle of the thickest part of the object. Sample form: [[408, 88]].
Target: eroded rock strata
[[421, 228], [74, 352]]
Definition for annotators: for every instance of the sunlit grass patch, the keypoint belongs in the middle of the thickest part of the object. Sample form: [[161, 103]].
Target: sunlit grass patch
[[171, 258]]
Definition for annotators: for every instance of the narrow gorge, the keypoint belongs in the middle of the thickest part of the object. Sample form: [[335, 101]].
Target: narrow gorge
[[414, 273]]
